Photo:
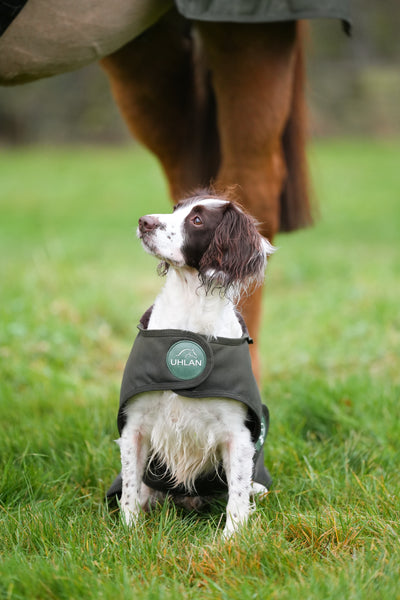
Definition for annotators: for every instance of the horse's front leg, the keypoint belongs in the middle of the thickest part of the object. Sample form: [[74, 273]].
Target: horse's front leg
[[253, 69], [163, 93]]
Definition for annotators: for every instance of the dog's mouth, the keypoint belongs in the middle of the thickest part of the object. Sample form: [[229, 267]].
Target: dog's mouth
[[148, 243], [151, 245], [141, 234], [145, 236]]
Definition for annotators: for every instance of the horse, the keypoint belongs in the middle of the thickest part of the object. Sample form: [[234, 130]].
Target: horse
[[219, 99], [223, 104]]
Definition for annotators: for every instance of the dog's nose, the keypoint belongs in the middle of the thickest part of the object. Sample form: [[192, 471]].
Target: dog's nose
[[148, 223]]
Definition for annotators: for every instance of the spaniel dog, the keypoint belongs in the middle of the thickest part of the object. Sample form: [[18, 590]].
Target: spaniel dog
[[191, 420]]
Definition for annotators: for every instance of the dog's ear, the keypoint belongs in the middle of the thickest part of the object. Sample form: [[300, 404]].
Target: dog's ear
[[237, 255]]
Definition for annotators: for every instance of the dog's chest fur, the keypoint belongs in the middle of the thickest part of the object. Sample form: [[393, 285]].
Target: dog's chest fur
[[183, 304], [187, 434]]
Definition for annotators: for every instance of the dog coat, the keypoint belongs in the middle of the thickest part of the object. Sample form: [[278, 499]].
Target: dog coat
[[193, 366]]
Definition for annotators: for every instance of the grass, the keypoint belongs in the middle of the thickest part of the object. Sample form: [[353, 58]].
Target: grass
[[73, 283]]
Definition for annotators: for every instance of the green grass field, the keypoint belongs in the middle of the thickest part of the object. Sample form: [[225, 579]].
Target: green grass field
[[73, 284]]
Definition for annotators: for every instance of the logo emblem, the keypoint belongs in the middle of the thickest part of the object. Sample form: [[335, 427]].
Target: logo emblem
[[186, 360]]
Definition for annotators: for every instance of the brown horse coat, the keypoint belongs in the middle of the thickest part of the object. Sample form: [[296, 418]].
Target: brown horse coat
[[218, 100]]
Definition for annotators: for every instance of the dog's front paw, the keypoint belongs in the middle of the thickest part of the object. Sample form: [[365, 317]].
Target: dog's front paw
[[129, 516], [233, 524], [230, 530], [227, 533]]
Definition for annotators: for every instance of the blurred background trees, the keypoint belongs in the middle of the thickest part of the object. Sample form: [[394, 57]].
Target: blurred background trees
[[353, 89]]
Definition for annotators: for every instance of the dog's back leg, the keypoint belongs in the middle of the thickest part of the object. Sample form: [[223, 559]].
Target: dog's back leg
[[150, 498]]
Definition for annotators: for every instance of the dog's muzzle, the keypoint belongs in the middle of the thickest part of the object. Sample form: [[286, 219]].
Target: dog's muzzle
[[147, 224]]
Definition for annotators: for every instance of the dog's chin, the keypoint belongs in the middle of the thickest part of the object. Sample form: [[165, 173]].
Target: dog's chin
[[149, 245], [151, 248]]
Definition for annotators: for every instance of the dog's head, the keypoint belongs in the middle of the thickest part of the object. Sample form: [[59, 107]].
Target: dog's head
[[212, 235]]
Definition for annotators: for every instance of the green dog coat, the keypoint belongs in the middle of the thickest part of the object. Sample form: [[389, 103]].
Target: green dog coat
[[194, 366]]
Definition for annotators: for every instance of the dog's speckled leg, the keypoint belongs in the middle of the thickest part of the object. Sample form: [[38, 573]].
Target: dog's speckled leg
[[238, 464], [134, 449]]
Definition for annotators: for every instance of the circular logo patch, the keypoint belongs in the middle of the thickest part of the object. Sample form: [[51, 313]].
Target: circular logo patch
[[186, 360]]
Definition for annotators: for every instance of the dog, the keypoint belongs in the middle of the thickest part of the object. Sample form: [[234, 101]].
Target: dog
[[191, 420]]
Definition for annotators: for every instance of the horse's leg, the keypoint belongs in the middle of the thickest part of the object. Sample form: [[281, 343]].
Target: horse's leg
[[161, 88], [252, 70]]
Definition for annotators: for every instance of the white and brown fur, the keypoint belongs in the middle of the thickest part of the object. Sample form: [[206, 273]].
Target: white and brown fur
[[211, 252]]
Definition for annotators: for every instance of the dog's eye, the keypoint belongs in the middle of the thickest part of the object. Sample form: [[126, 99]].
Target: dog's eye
[[197, 221]]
